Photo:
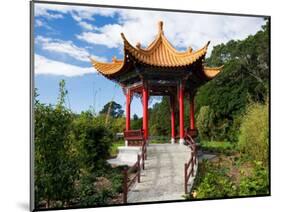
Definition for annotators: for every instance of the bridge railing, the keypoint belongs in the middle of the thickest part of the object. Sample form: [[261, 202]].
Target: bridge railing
[[127, 182], [189, 166], [136, 169]]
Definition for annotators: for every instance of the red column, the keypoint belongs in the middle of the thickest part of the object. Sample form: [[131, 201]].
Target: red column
[[145, 110], [172, 104], [191, 112], [128, 109], [181, 110]]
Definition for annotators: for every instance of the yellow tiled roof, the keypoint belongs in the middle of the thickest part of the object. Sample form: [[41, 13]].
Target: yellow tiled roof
[[159, 53], [211, 72], [108, 68]]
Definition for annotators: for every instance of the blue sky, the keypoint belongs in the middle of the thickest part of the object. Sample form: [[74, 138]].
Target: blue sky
[[66, 36]]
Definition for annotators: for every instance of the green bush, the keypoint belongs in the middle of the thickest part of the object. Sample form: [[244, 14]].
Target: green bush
[[254, 133], [94, 142], [213, 182], [257, 183], [70, 156], [55, 166], [204, 122], [88, 193]]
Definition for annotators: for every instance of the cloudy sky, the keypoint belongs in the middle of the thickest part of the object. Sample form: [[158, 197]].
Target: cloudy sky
[[66, 36]]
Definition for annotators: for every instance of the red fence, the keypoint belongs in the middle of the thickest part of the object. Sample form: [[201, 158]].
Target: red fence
[[189, 166]]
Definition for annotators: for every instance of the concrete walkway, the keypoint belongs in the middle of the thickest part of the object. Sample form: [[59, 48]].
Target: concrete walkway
[[163, 177]]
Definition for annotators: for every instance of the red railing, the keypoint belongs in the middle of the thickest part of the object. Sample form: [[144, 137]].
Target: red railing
[[189, 166], [143, 153], [127, 183]]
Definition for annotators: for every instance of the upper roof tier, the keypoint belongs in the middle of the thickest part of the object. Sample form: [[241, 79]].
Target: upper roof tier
[[160, 53]]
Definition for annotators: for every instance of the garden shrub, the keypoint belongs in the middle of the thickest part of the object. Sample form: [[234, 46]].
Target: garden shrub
[[257, 183], [213, 182], [204, 122], [94, 142], [254, 133], [55, 166]]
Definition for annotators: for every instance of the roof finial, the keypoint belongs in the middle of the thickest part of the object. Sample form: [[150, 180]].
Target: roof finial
[[160, 26], [138, 45]]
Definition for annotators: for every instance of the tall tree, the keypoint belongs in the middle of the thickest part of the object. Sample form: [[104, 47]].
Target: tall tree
[[112, 109]]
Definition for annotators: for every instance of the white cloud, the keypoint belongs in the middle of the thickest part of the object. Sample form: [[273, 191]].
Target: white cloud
[[86, 26], [44, 65], [42, 11], [81, 12], [182, 29], [109, 35], [65, 47], [38, 23]]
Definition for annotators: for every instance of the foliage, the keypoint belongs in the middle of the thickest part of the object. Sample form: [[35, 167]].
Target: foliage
[[225, 147], [254, 133], [245, 77], [95, 141], [159, 118], [213, 182], [70, 156], [99, 191], [114, 147], [55, 166], [112, 109], [204, 122], [256, 184], [62, 93], [136, 123]]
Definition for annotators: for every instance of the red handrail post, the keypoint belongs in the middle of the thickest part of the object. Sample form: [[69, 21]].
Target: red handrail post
[[125, 182], [139, 169], [192, 163], [195, 152], [145, 151], [185, 180], [142, 160]]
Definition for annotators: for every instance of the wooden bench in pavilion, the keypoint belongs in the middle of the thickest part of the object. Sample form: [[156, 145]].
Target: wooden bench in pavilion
[[134, 137]]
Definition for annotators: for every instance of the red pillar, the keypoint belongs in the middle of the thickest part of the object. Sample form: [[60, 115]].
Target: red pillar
[[128, 109], [191, 112], [172, 105], [181, 110], [145, 110]]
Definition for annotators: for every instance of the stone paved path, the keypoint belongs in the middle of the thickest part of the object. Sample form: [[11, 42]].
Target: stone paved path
[[163, 177]]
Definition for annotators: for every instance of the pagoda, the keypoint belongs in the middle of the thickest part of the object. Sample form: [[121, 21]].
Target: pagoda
[[160, 70]]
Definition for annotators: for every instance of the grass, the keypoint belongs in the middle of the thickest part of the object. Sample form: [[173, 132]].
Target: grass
[[225, 147], [114, 147], [159, 141]]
